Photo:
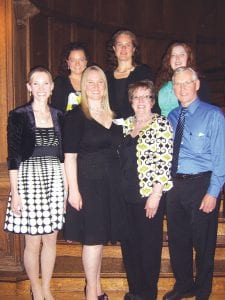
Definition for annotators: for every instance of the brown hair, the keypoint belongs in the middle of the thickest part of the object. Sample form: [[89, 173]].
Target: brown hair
[[145, 84], [73, 46], [38, 69], [165, 72], [112, 59]]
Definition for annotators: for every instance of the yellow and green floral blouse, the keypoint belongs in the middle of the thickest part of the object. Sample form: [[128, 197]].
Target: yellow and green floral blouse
[[154, 153]]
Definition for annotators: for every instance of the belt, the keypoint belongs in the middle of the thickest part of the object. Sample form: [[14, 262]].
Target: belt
[[191, 176]]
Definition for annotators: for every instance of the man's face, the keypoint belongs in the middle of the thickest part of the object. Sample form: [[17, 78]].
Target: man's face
[[185, 88]]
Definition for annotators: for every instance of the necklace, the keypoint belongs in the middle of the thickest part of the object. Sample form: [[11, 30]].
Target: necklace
[[42, 117], [125, 71], [96, 111]]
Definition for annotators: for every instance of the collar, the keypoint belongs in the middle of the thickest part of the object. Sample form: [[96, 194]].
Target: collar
[[192, 107]]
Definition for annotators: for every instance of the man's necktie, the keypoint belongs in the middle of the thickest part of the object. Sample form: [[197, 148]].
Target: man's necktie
[[177, 140]]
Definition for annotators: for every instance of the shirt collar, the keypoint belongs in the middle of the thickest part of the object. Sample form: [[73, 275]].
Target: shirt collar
[[193, 106]]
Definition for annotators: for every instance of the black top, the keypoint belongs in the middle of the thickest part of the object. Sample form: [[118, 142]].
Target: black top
[[128, 158], [123, 108], [62, 89], [83, 135]]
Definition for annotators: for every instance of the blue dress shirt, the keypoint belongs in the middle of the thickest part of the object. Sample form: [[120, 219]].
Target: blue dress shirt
[[203, 143]]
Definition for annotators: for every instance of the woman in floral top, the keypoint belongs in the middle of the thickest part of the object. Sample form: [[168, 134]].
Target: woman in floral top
[[146, 155]]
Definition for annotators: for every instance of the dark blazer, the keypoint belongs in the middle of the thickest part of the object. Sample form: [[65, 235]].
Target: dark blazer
[[21, 134]]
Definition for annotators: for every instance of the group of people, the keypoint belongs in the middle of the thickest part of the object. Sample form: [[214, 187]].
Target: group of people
[[102, 162]]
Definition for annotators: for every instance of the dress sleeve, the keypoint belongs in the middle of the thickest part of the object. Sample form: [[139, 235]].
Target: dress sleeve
[[73, 130], [14, 139]]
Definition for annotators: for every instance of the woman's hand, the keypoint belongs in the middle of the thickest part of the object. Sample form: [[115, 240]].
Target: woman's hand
[[75, 200], [65, 200], [152, 204], [16, 204]]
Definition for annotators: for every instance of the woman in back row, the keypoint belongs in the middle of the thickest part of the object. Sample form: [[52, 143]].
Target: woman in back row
[[125, 68], [66, 92], [178, 54]]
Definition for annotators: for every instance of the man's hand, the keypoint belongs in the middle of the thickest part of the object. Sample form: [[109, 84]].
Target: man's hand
[[208, 204]]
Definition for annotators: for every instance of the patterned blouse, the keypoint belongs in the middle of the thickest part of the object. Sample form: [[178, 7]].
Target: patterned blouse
[[154, 153]]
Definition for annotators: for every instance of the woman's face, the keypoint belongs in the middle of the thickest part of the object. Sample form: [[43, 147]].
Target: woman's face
[[178, 57], [142, 100], [40, 86], [124, 48], [95, 87], [77, 61]]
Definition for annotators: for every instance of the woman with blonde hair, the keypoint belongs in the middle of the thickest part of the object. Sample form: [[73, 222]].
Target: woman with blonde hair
[[37, 181], [95, 213]]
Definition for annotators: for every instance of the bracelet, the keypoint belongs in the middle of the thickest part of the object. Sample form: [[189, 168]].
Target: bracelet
[[157, 194]]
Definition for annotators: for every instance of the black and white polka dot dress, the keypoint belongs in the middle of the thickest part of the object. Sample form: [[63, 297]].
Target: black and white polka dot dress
[[41, 187]]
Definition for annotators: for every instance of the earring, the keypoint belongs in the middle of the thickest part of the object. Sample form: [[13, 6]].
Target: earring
[[30, 94]]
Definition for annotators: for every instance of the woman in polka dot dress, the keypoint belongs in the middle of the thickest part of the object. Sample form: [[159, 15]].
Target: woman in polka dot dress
[[37, 180]]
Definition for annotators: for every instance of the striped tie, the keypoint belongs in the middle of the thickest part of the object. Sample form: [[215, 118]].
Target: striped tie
[[177, 140]]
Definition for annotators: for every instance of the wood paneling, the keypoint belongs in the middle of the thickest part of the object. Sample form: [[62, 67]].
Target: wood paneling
[[6, 75], [39, 41]]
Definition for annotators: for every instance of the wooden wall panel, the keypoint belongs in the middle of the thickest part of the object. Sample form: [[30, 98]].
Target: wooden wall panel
[[6, 71], [39, 41], [101, 46], [59, 35], [84, 9], [109, 12], [88, 37]]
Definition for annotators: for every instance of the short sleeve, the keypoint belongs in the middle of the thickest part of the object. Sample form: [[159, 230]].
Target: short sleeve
[[73, 130]]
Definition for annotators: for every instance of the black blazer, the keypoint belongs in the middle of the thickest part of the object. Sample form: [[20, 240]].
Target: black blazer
[[21, 134]]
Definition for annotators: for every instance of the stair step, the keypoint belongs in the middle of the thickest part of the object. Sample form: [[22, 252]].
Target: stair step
[[75, 249], [75, 286], [112, 267]]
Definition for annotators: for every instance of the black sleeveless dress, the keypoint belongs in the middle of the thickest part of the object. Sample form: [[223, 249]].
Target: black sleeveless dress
[[102, 217]]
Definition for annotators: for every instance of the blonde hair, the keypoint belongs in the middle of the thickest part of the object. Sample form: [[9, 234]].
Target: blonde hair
[[84, 98]]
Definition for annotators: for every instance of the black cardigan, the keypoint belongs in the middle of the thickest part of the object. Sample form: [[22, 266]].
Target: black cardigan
[[61, 91], [21, 134], [140, 72]]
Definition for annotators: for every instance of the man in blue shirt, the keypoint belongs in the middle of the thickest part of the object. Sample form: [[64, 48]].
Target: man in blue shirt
[[192, 204]]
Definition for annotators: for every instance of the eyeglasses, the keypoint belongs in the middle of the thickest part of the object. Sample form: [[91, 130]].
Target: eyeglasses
[[147, 97], [184, 84]]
